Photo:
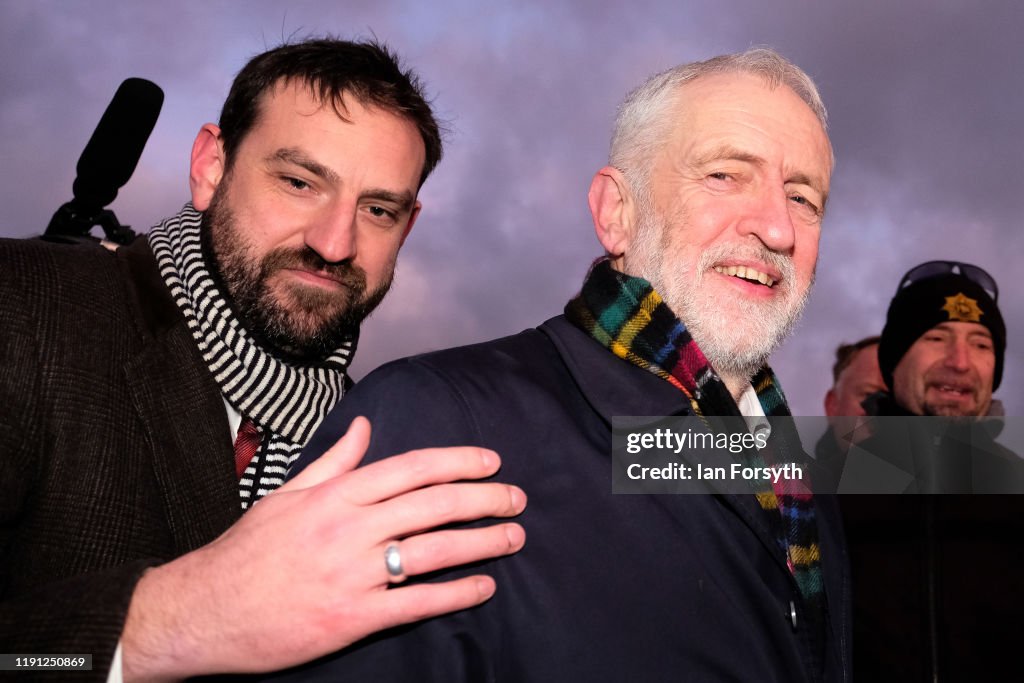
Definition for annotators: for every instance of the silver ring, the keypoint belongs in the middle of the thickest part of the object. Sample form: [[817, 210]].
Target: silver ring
[[393, 562]]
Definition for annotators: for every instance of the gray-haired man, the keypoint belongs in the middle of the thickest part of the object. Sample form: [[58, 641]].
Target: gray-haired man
[[710, 215]]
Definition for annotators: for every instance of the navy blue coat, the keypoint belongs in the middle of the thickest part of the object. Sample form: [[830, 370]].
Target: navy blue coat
[[609, 587]]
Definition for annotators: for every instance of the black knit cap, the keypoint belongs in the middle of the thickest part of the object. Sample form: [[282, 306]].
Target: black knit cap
[[920, 306]]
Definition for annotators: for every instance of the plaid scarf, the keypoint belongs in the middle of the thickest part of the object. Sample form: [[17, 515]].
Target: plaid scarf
[[625, 315]]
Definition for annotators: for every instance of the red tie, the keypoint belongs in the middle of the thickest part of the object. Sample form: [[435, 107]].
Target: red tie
[[246, 444]]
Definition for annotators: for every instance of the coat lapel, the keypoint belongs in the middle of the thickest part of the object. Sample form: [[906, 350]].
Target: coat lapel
[[181, 410]]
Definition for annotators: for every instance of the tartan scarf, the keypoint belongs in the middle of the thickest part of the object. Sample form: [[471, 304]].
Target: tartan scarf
[[286, 401], [625, 315]]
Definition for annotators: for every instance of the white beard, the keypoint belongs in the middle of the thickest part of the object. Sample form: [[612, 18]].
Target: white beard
[[736, 336]]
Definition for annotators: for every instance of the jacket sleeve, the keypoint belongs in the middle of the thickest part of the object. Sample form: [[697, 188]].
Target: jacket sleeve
[[410, 406]]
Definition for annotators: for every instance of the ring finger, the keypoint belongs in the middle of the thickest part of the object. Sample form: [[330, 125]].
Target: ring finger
[[429, 552]]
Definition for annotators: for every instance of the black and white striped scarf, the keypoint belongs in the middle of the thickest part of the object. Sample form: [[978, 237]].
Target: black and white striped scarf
[[287, 402]]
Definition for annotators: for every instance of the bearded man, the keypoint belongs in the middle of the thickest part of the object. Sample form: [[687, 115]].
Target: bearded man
[[709, 213], [126, 375]]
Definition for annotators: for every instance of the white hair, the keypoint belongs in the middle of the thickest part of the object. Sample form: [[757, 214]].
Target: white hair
[[643, 119]]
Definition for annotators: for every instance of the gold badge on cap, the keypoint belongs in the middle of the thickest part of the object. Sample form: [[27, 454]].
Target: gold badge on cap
[[963, 308]]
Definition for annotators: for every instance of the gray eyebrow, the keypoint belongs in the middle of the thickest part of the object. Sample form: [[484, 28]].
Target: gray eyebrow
[[728, 152]]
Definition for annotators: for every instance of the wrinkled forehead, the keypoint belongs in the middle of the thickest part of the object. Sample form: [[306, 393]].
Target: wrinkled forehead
[[720, 109]]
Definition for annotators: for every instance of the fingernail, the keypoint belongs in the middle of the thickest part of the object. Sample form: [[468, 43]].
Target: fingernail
[[516, 536], [490, 459], [485, 587], [518, 498]]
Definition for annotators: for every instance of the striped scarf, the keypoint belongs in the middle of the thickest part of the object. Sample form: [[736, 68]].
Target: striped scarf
[[625, 315], [287, 402]]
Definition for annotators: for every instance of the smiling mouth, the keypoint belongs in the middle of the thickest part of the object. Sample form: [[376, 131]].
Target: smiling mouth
[[746, 273], [954, 390]]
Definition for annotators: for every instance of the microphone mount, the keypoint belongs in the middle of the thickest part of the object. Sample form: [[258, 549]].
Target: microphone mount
[[75, 220]]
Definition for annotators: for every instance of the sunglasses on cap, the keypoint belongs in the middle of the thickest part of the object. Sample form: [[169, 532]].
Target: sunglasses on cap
[[937, 268]]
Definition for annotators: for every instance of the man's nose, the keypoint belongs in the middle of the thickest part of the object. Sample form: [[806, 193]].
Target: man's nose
[[958, 355], [769, 219], [332, 233]]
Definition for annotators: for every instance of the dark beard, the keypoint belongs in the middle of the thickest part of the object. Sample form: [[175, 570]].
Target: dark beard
[[299, 323]]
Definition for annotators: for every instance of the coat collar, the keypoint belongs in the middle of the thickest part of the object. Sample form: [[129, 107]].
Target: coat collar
[[619, 388]]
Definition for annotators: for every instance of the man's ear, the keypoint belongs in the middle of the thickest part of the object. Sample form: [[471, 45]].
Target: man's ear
[[412, 219], [207, 166], [831, 403], [614, 211]]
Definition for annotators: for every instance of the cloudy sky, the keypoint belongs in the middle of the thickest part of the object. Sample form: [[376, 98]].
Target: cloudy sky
[[926, 99]]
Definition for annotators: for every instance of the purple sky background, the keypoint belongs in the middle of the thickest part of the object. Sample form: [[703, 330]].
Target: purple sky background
[[926, 102]]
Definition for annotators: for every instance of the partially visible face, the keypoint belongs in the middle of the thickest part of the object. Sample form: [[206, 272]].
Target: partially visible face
[[947, 371], [306, 226], [730, 237], [858, 380]]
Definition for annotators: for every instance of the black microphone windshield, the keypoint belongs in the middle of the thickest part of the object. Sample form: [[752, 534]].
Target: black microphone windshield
[[110, 157]]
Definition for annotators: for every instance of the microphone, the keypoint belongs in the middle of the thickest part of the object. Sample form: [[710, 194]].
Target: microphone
[[108, 161]]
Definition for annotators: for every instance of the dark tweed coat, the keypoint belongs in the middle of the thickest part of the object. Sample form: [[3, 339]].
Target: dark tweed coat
[[115, 452]]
